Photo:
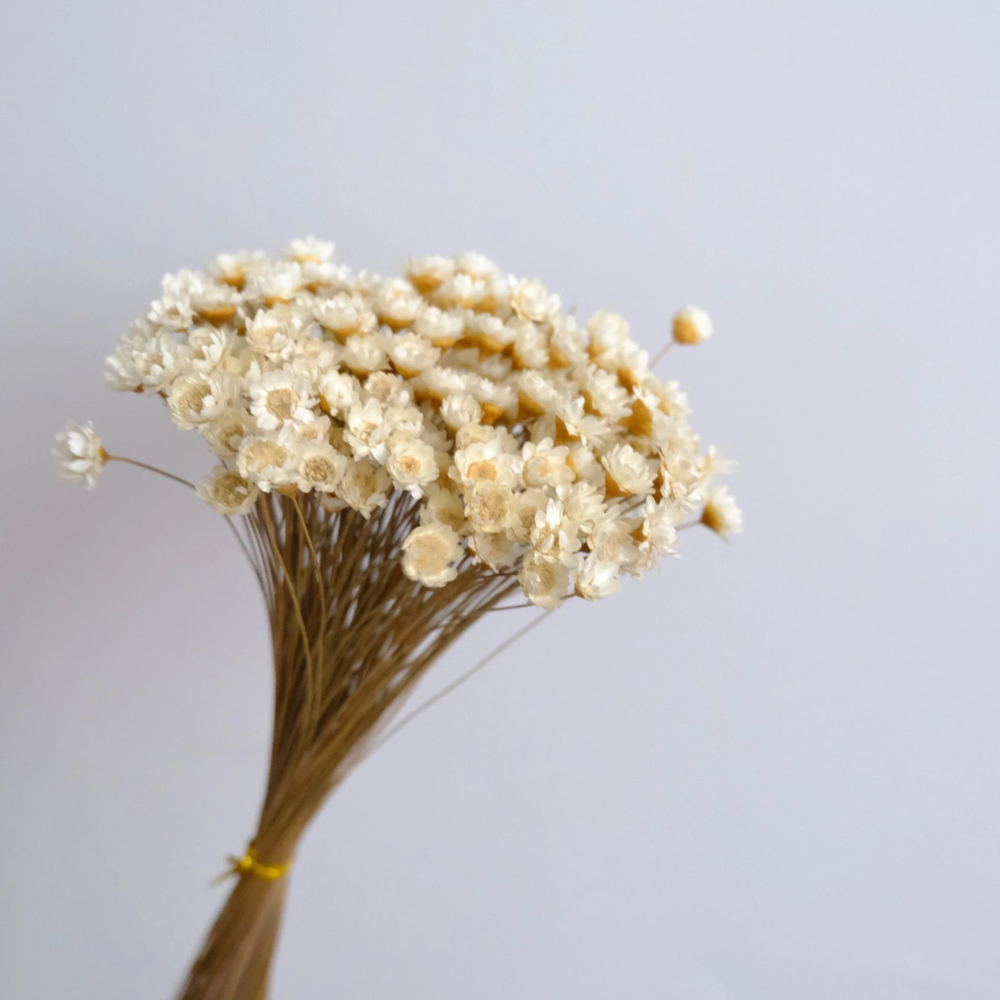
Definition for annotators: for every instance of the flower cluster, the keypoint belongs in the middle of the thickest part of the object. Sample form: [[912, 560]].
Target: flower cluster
[[531, 443]]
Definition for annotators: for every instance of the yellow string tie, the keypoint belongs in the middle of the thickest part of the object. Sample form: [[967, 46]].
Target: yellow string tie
[[252, 864]]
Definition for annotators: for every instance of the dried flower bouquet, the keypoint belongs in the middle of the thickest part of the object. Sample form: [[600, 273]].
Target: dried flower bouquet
[[397, 457]]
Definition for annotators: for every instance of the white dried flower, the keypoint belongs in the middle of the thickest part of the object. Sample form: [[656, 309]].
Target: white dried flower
[[148, 359], [337, 391], [476, 265], [442, 329], [345, 315], [628, 472], [426, 273], [495, 549], [365, 354], [430, 553], [487, 461], [309, 250], [199, 398], [554, 535], [608, 332], [722, 514], [545, 583], [276, 333], [396, 303], [692, 325], [530, 300], [227, 492], [232, 268], [79, 454], [412, 465], [368, 430], [266, 459], [225, 434], [490, 507], [445, 506], [280, 396], [595, 578], [545, 464], [411, 354], [276, 282], [366, 486], [459, 410], [318, 466]]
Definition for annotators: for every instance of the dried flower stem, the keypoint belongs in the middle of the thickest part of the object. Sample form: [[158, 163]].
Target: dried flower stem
[[352, 636]]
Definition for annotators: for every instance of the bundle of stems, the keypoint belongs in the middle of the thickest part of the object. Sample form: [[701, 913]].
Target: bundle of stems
[[352, 635]]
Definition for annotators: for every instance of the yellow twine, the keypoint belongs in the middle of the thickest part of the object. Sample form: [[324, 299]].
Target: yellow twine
[[252, 864]]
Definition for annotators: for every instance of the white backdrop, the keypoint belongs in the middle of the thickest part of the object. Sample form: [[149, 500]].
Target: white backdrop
[[770, 772]]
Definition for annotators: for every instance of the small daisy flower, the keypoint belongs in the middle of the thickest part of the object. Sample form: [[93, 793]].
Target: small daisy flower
[[309, 250], [490, 507], [608, 332], [275, 283], [368, 430], [545, 464], [199, 398], [486, 461], [476, 265], [366, 354], [227, 492], [412, 465], [318, 466], [459, 410], [545, 583], [554, 535], [411, 354], [275, 334], [209, 348], [232, 268], [265, 460], [530, 300], [215, 304], [595, 578], [396, 303], [692, 325], [657, 534], [148, 359], [494, 549], [337, 392], [430, 553], [281, 396], [628, 472], [79, 454], [345, 316], [427, 273], [225, 434], [442, 329], [721, 513], [445, 506], [366, 486]]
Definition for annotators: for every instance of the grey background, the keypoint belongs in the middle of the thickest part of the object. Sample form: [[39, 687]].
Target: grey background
[[770, 772]]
